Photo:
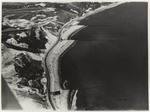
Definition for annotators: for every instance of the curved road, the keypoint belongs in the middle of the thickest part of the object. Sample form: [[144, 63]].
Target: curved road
[[52, 55], [48, 72], [51, 60]]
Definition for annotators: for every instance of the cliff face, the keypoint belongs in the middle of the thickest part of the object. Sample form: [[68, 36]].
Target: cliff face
[[29, 70], [32, 40], [28, 67]]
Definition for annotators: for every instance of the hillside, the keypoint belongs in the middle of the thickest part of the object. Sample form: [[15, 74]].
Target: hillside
[[28, 32]]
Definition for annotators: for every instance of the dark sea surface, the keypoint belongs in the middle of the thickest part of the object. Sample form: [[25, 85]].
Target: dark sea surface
[[109, 62]]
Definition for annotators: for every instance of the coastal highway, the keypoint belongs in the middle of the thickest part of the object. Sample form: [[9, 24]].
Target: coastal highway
[[60, 101], [58, 47]]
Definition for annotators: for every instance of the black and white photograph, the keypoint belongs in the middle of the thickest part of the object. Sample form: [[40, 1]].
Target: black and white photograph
[[74, 55]]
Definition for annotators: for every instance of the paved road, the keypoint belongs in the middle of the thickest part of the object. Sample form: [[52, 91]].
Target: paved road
[[58, 102]]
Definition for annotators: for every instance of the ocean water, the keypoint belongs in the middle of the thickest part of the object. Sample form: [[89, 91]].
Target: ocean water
[[108, 64]]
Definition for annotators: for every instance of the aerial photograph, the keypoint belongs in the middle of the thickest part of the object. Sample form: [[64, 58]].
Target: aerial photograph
[[74, 56]]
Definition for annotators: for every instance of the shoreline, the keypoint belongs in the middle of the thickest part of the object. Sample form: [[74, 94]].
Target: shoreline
[[59, 102]]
